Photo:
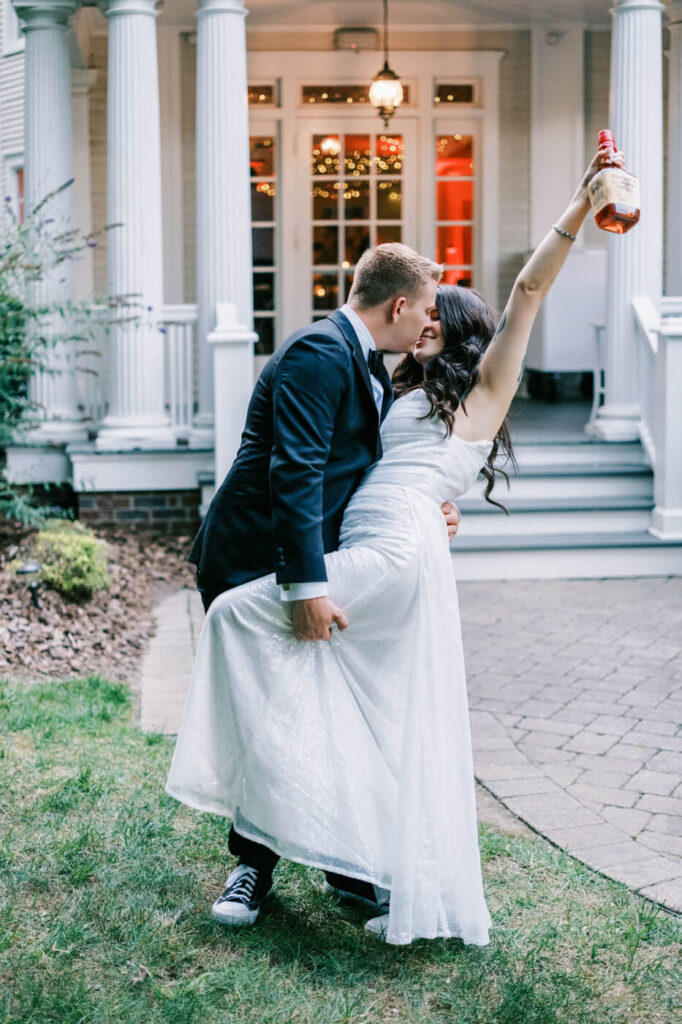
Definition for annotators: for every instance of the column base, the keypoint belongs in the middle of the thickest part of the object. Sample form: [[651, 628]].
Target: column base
[[615, 423], [666, 523], [113, 437], [55, 432]]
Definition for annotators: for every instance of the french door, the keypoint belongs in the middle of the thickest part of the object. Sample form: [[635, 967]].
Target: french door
[[323, 191], [355, 187]]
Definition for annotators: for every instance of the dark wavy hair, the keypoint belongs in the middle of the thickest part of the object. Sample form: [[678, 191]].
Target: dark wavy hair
[[447, 379]]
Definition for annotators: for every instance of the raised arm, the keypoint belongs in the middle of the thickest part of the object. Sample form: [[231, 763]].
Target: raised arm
[[501, 367]]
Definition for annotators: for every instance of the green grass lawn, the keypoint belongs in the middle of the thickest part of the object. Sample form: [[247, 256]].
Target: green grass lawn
[[106, 885]]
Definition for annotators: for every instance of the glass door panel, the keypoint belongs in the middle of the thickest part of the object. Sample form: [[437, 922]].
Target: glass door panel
[[263, 169], [455, 217], [357, 199]]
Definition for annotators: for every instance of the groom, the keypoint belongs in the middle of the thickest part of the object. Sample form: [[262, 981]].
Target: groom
[[312, 429]]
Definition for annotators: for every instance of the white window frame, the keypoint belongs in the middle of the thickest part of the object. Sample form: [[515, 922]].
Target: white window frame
[[460, 124], [456, 80], [409, 176], [420, 69], [13, 39], [13, 163], [262, 122]]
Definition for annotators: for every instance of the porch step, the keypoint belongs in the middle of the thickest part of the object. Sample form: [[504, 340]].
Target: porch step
[[565, 556], [577, 509], [556, 521], [544, 485], [579, 452], [576, 504], [549, 541]]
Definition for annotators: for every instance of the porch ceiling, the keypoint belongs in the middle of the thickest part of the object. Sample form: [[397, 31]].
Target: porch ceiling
[[427, 13]]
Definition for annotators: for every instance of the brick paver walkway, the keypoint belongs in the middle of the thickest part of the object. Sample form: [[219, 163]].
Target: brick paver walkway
[[575, 691]]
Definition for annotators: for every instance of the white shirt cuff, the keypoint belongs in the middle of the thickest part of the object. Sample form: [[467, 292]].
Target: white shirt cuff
[[302, 591]]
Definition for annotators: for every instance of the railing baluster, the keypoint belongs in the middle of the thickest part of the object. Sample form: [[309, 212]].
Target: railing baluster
[[180, 323]]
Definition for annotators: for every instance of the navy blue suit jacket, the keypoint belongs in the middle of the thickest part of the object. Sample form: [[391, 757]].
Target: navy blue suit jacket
[[312, 429]]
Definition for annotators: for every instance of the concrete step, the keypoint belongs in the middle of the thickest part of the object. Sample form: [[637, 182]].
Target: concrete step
[[477, 504], [565, 556], [585, 453], [560, 520], [570, 484]]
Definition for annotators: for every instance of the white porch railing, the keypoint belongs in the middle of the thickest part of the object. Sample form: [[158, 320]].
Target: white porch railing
[[660, 378], [646, 327], [92, 370], [179, 324]]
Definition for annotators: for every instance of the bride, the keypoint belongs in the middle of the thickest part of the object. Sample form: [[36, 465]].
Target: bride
[[354, 755]]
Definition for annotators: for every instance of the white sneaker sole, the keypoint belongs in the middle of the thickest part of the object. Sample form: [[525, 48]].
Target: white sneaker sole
[[378, 926], [235, 915]]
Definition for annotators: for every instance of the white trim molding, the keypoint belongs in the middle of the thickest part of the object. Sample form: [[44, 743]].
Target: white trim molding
[[13, 39], [419, 69]]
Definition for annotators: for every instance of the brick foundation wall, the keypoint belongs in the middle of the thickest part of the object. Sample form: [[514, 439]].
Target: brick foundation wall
[[168, 511]]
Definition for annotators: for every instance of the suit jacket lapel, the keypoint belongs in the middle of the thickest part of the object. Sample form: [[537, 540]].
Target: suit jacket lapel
[[388, 392], [346, 328]]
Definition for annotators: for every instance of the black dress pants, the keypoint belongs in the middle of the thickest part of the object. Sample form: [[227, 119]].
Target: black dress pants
[[254, 854]]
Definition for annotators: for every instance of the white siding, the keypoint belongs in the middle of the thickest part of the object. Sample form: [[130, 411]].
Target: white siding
[[597, 67], [11, 108]]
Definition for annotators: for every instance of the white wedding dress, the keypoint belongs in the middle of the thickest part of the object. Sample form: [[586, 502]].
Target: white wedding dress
[[355, 755]]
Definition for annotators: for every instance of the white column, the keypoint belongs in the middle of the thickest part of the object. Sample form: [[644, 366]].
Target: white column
[[231, 346], [170, 96], [82, 81], [48, 164], [223, 243], [137, 415], [674, 213], [635, 260]]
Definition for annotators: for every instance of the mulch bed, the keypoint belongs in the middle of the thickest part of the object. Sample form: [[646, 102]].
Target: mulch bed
[[104, 636]]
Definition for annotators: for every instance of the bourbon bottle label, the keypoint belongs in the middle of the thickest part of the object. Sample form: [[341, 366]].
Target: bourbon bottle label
[[612, 185]]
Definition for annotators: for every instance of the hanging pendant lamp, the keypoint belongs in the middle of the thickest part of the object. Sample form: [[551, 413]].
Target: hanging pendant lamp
[[386, 91]]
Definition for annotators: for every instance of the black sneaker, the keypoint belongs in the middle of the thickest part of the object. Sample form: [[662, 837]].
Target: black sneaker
[[245, 890], [355, 889]]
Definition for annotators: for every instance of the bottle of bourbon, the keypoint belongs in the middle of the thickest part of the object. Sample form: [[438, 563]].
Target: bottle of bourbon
[[614, 194]]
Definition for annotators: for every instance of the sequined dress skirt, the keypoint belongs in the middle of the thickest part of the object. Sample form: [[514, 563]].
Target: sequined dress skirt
[[355, 755]]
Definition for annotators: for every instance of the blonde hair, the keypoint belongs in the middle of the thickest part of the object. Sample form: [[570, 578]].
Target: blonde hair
[[391, 270]]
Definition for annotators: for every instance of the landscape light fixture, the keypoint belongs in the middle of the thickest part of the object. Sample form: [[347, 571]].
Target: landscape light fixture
[[29, 575], [386, 91]]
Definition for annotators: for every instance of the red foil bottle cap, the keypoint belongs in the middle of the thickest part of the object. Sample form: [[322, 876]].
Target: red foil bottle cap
[[606, 139]]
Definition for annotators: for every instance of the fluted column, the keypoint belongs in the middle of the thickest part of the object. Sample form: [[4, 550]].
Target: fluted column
[[137, 416], [635, 260], [223, 236], [82, 81], [673, 277], [48, 164]]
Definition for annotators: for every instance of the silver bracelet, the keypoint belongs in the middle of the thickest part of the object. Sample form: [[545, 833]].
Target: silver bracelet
[[564, 234]]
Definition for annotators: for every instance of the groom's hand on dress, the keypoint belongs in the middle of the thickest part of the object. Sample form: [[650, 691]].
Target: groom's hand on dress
[[313, 619], [452, 517]]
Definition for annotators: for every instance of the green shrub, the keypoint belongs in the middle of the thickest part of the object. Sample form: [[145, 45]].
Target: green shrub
[[74, 560]]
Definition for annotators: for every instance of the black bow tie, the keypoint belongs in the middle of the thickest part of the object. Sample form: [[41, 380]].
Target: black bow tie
[[375, 362]]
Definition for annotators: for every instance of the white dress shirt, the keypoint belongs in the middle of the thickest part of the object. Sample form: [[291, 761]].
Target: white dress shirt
[[305, 591]]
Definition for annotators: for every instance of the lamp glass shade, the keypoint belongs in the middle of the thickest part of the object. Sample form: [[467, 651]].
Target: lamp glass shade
[[386, 91]]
